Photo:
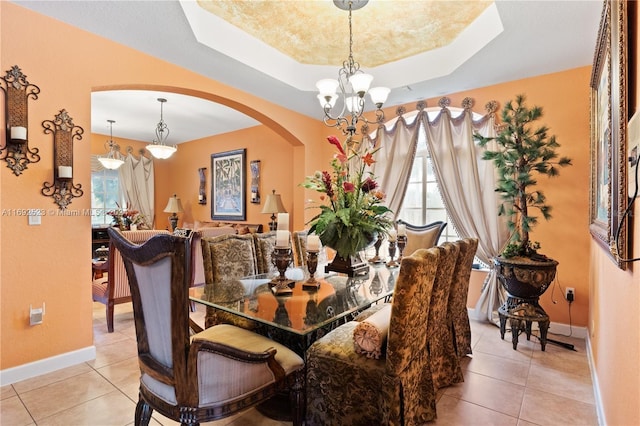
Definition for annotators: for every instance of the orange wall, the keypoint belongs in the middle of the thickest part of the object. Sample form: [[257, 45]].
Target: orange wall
[[49, 263], [607, 299], [276, 172], [564, 97], [614, 312]]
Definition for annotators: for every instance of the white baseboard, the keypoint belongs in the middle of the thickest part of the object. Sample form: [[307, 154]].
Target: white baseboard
[[47, 365], [564, 329], [596, 384]]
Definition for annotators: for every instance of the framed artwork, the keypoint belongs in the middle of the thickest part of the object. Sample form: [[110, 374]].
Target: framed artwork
[[608, 195], [228, 185]]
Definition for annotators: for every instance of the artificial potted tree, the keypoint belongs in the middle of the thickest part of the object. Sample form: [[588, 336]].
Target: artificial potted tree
[[523, 153]]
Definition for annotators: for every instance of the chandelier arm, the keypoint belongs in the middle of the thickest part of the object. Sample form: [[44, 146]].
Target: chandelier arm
[[351, 90]]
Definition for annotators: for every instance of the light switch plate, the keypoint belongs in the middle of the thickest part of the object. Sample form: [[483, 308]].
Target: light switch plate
[[36, 315], [35, 219]]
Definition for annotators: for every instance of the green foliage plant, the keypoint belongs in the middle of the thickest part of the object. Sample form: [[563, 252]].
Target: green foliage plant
[[524, 152], [354, 213]]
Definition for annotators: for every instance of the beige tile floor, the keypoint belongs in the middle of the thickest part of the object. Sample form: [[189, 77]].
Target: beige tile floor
[[501, 387]]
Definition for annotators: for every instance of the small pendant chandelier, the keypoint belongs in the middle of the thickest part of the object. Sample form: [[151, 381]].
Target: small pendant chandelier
[[159, 149], [113, 160], [353, 84]]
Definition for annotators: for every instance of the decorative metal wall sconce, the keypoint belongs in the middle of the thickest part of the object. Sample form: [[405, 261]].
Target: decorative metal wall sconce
[[255, 181], [64, 132], [18, 90], [202, 193]]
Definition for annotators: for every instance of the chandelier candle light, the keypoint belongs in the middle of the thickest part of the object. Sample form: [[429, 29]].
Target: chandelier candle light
[[353, 84], [159, 148]]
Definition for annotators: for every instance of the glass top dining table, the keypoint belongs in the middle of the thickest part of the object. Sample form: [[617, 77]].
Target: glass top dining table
[[306, 311]]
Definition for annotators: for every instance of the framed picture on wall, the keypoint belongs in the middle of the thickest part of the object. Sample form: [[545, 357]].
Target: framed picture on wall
[[228, 185], [608, 133]]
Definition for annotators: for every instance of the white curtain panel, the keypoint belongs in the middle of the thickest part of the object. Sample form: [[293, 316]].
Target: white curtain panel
[[394, 160], [466, 183], [136, 180]]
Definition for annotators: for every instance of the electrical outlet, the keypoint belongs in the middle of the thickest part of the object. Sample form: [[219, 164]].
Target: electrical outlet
[[36, 315], [570, 294]]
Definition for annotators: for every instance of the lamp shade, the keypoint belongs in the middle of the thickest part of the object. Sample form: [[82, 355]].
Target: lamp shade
[[113, 160], [174, 205], [360, 82], [110, 163], [379, 95], [161, 151], [273, 204]]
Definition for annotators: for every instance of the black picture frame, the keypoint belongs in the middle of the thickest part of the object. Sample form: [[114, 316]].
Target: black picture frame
[[229, 185]]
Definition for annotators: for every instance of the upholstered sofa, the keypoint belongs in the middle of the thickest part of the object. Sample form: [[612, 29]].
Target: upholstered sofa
[[240, 227]]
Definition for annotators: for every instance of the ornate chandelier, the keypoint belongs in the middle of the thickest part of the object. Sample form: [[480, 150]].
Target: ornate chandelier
[[113, 160], [159, 148], [353, 84]]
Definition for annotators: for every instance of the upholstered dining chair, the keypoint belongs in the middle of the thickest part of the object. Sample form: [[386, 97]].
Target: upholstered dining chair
[[422, 236], [225, 258], [457, 311], [348, 387], [299, 244], [115, 289], [265, 242], [445, 365], [209, 375]]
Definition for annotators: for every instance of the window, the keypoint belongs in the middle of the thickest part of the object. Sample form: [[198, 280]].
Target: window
[[422, 201], [105, 195]]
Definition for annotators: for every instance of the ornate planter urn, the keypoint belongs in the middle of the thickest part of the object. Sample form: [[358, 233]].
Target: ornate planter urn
[[525, 278]]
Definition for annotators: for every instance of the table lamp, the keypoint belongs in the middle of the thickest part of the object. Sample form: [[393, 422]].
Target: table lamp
[[273, 205], [173, 206]]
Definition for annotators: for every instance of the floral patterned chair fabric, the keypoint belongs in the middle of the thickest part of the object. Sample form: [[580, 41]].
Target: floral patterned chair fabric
[[346, 388], [265, 243], [458, 314], [227, 258], [299, 243], [445, 364]]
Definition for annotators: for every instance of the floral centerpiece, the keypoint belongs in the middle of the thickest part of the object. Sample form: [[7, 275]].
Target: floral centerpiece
[[124, 218], [354, 215]]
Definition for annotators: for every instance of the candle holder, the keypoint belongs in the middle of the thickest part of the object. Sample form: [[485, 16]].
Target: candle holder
[[402, 243], [65, 133], [312, 265], [17, 91], [281, 259], [377, 245], [392, 253]]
